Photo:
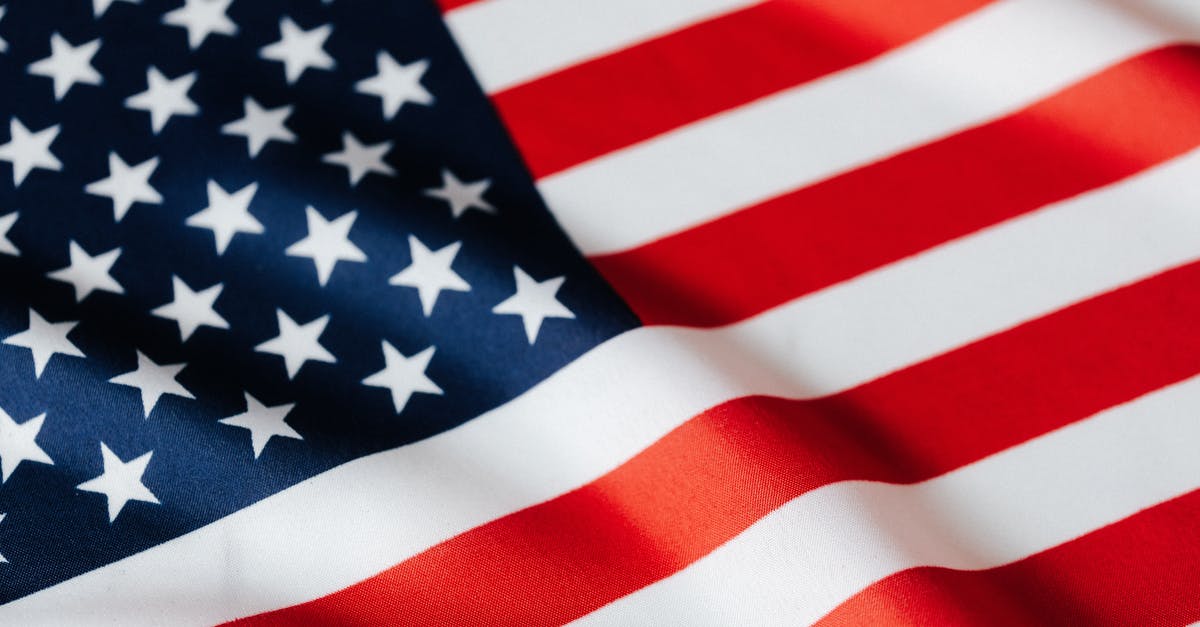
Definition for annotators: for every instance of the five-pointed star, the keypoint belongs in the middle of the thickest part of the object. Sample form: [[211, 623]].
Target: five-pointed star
[[87, 273], [18, 444], [404, 376], [327, 242], [430, 273], [297, 343], [6, 223], [121, 482], [462, 196], [227, 214], [3, 48], [126, 184], [164, 98], [263, 423], [534, 302], [68, 65], [100, 6], [44, 339], [202, 18], [359, 158], [153, 380], [299, 49], [260, 126], [191, 310], [396, 84], [26, 150]]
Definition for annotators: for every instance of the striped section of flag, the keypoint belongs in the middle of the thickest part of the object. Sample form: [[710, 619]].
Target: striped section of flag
[[1022, 501], [991, 63], [716, 65], [1118, 575], [920, 295], [1088, 135]]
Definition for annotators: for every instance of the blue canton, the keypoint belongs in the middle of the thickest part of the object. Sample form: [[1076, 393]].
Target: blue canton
[[243, 242]]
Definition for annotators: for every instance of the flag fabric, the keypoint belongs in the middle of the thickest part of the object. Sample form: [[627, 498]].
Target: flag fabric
[[536, 312]]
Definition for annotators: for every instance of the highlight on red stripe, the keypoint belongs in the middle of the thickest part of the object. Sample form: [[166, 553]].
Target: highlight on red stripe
[[1130, 117], [613, 101], [714, 476], [1142, 570]]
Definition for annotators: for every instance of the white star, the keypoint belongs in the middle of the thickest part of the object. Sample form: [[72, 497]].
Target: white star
[[359, 158], [327, 242], [100, 6], [260, 126], [26, 150], [462, 196], [164, 98], [227, 214], [430, 273], [297, 343], [396, 84], [87, 273], [68, 65], [263, 423], [121, 482], [18, 443], [3, 48], [6, 223], [534, 302], [126, 185], [404, 376], [153, 380], [299, 49], [192, 310], [202, 18], [45, 339]]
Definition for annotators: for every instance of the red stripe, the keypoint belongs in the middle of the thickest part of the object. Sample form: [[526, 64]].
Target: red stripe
[[717, 474], [1115, 124], [613, 101], [449, 5], [1144, 570]]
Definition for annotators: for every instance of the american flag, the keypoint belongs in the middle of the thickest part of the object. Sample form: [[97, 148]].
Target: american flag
[[620, 312]]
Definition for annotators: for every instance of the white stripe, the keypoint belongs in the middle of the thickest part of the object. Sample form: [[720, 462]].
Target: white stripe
[[803, 560], [363, 517], [987, 64], [508, 42]]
